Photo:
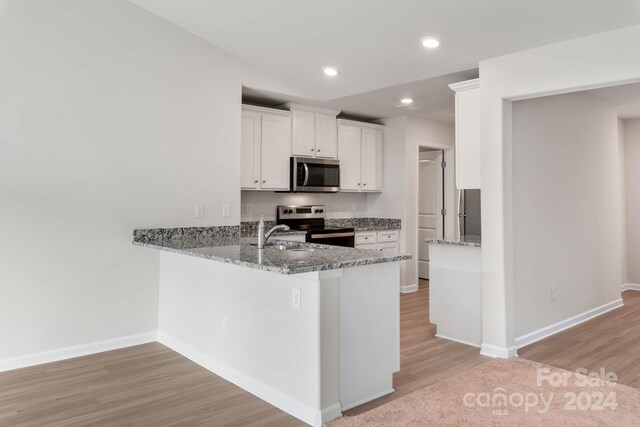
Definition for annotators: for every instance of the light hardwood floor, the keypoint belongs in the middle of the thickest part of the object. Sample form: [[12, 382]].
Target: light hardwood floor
[[610, 341], [150, 385]]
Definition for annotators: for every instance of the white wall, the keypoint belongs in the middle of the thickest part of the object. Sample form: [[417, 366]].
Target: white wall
[[111, 119], [402, 137], [632, 157], [339, 205], [589, 62], [567, 208]]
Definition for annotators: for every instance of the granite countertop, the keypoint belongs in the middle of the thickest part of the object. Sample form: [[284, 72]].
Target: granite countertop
[[223, 244], [250, 228], [469, 241]]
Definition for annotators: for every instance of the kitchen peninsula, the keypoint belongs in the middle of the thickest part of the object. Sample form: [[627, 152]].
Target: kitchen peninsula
[[312, 329], [455, 288]]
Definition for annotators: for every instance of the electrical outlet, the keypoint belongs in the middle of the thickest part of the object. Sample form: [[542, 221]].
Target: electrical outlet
[[554, 293], [199, 210], [225, 324], [249, 209], [226, 210], [295, 298], [355, 207]]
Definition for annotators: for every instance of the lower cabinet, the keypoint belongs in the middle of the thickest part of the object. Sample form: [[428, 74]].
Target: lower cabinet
[[385, 241]]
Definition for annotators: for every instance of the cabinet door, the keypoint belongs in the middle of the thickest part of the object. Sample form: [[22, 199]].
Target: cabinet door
[[349, 151], [304, 133], [250, 150], [388, 248], [371, 159], [276, 149], [326, 136], [468, 139]]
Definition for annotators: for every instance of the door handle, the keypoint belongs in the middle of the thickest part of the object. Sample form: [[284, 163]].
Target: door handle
[[306, 174]]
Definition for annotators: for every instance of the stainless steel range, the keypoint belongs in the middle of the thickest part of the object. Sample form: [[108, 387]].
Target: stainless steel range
[[310, 218]]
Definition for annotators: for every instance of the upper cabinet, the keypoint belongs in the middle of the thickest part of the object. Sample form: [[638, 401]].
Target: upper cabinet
[[314, 131], [265, 148], [467, 134], [360, 154]]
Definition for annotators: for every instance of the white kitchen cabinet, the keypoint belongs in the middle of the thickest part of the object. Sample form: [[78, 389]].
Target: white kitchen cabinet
[[265, 149], [326, 136], [360, 154], [314, 131], [467, 134], [349, 153], [371, 159], [250, 150], [385, 241], [304, 133]]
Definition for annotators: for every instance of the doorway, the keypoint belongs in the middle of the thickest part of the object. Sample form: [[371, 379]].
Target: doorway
[[431, 202]]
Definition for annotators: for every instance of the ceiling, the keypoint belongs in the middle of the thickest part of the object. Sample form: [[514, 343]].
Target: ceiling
[[375, 43], [432, 99], [626, 98]]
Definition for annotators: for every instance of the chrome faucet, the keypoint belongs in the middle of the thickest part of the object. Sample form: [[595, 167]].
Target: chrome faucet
[[263, 237]]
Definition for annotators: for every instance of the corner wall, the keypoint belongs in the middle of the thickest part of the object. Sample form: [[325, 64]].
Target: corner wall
[[568, 204], [111, 119], [632, 158], [399, 199]]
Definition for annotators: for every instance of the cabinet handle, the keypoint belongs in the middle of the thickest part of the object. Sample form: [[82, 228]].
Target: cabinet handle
[[364, 184], [255, 181], [317, 151], [264, 182], [358, 183], [313, 149]]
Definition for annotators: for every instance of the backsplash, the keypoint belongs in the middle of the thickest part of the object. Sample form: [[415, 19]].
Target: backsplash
[[339, 205]]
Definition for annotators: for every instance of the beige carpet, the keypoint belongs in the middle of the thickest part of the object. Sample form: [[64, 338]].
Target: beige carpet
[[477, 398]]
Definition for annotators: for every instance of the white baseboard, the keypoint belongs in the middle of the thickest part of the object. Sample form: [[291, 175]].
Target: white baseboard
[[496, 352], [630, 287], [444, 337], [368, 399], [288, 404], [76, 351], [405, 289], [545, 332]]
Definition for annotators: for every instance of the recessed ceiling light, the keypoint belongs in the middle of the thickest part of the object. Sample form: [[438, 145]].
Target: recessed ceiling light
[[430, 42], [330, 71], [406, 101]]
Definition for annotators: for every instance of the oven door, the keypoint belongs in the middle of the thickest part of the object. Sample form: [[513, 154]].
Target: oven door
[[339, 238], [315, 175]]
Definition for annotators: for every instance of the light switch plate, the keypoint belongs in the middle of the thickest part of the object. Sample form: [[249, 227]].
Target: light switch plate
[[226, 210]]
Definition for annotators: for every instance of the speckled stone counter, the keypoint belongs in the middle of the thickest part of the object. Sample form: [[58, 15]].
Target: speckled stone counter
[[229, 248], [469, 241], [250, 228], [364, 224]]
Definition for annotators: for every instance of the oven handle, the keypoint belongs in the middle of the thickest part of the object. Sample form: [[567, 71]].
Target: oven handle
[[306, 174], [326, 236]]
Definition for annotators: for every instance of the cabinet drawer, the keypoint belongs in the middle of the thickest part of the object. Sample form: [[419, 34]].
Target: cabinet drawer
[[362, 238], [391, 247], [371, 246], [388, 236]]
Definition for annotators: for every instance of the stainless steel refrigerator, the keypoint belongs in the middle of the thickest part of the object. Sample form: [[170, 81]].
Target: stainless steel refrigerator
[[469, 213]]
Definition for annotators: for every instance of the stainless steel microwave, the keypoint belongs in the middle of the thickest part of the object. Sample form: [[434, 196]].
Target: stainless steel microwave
[[309, 175]]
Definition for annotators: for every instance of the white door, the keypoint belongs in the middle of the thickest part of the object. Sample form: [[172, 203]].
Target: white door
[[304, 133], [250, 150], [429, 206], [371, 145], [276, 149], [349, 141], [326, 136]]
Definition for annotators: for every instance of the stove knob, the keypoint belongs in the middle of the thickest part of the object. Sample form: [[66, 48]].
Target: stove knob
[[321, 210], [317, 210], [289, 211]]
